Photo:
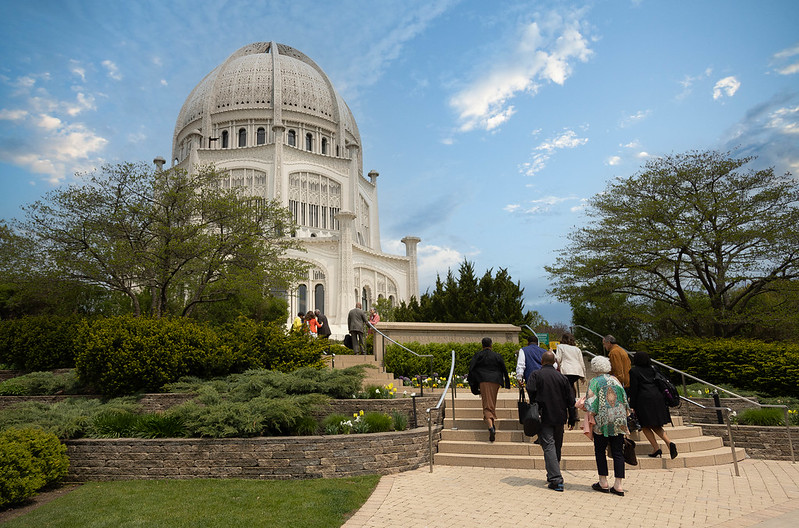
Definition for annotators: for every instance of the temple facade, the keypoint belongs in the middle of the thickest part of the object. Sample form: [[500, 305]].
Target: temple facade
[[270, 120]]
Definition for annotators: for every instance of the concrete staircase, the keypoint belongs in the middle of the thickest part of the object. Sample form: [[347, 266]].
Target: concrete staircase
[[468, 445], [374, 372]]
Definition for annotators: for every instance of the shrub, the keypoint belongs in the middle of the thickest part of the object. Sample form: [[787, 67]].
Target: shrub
[[378, 422], [336, 423], [765, 416], [271, 347], [403, 363], [39, 342], [67, 419], [38, 383], [400, 420], [125, 355], [770, 368], [30, 459]]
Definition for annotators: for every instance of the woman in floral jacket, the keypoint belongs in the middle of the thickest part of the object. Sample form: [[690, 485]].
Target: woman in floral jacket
[[607, 402]]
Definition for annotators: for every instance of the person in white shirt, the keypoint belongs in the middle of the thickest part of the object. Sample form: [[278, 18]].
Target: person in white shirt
[[570, 361]]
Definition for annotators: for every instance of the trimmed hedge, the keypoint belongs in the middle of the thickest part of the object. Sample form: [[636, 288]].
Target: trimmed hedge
[[30, 459], [770, 368], [126, 355], [403, 363], [38, 342]]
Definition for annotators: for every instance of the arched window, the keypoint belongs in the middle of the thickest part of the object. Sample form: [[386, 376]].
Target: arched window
[[308, 141], [261, 136], [302, 298], [319, 297], [224, 139], [292, 138], [324, 145], [364, 299], [242, 137]]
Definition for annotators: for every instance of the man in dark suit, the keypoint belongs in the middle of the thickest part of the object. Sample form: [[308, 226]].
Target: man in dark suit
[[552, 391], [356, 322]]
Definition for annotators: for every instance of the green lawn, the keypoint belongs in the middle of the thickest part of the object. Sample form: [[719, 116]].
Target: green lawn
[[204, 503]]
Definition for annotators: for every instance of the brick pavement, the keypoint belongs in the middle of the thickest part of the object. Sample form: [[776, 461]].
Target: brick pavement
[[766, 495]]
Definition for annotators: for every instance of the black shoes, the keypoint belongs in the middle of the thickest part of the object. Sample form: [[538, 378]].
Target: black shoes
[[492, 434], [597, 487], [673, 450], [616, 492], [556, 487], [657, 454]]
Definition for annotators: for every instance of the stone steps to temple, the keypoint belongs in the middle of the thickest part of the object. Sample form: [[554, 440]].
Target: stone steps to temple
[[464, 441]]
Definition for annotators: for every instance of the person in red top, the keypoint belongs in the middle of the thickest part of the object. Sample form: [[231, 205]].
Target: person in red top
[[374, 318], [313, 324]]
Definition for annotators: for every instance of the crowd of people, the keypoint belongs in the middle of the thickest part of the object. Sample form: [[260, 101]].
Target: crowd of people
[[618, 389]]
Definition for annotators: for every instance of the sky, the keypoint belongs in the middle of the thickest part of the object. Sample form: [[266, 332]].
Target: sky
[[491, 123]]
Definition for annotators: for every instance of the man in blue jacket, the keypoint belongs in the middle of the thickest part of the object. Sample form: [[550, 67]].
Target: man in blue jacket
[[553, 392], [529, 359]]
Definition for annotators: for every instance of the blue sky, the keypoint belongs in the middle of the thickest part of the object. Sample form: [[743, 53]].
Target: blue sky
[[490, 123]]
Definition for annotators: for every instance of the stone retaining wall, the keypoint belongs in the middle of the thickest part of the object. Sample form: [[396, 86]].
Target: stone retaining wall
[[703, 416], [769, 443], [250, 458]]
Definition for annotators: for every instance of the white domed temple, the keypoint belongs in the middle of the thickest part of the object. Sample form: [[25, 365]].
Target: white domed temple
[[270, 119]]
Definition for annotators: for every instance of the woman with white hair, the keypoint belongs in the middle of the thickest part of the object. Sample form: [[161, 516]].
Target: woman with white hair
[[606, 400]]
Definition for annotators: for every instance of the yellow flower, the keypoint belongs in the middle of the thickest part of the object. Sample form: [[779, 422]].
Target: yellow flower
[[354, 415], [361, 413]]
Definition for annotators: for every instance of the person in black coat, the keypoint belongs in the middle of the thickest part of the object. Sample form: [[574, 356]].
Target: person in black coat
[[555, 398], [487, 372], [649, 404]]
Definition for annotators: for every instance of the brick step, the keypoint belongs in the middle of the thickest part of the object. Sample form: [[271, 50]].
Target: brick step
[[513, 425], [512, 413], [710, 457], [571, 447]]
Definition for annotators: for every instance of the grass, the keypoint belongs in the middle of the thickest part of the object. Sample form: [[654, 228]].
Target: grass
[[207, 503]]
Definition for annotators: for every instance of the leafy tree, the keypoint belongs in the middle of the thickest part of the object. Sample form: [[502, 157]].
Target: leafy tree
[[492, 299], [171, 238], [693, 239]]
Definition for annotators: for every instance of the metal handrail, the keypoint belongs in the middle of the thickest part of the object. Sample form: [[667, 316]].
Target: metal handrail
[[421, 387], [438, 405], [727, 412], [716, 387]]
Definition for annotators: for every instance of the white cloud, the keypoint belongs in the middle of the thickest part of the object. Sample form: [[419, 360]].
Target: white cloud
[[78, 70], [546, 149], [790, 69], [112, 69], [726, 86], [643, 154], [48, 122], [539, 206], [434, 260], [447, 141], [614, 160], [635, 118], [163, 82], [13, 115], [544, 52], [688, 82], [782, 56], [785, 120], [568, 139]]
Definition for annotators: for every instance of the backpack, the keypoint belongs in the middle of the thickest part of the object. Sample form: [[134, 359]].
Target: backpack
[[668, 389]]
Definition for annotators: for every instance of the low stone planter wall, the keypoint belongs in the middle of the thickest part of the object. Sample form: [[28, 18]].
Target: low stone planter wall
[[769, 443], [250, 458], [699, 415]]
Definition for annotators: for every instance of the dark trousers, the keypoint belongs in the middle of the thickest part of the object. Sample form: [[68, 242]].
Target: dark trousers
[[357, 342], [551, 439], [573, 410], [616, 450]]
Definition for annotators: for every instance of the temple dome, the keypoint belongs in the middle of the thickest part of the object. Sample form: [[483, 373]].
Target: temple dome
[[246, 81]]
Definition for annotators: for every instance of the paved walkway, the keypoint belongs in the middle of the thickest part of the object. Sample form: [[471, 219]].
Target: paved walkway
[[766, 495]]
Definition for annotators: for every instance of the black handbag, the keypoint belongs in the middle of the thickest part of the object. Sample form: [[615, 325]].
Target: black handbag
[[529, 415], [632, 422], [629, 452]]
